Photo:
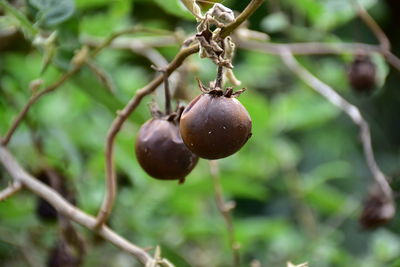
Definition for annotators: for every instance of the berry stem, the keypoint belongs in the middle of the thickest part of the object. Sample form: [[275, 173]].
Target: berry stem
[[218, 82], [167, 94], [220, 71]]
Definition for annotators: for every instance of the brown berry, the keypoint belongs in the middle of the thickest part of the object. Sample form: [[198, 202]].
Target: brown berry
[[378, 210], [161, 151], [362, 74], [215, 125]]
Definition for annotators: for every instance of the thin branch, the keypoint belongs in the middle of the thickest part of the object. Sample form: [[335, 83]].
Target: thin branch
[[123, 115], [22, 19], [167, 95], [317, 49], [132, 30], [375, 28], [32, 100], [35, 97], [225, 210], [351, 110], [134, 44], [103, 76], [10, 190], [384, 42], [65, 208], [116, 125], [246, 13], [146, 48]]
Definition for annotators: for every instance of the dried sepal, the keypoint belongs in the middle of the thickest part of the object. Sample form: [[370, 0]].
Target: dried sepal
[[192, 6], [202, 87], [155, 110], [211, 46], [230, 76], [221, 13]]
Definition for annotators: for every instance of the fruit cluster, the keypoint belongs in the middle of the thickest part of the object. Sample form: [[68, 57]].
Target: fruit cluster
[[214, 125]]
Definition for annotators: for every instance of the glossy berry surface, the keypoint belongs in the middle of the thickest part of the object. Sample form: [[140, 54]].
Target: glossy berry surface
[[215, 125], [161, 151], [362, 74]]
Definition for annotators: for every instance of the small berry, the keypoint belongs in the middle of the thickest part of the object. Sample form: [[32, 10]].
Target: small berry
[[215, 124], [161, 151], [362, 74]]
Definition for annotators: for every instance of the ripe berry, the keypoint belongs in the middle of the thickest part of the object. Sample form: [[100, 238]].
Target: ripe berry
[[161, 151], [362, 74], [215, 124]]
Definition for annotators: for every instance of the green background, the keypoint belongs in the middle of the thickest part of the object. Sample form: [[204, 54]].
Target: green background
[[299, 182]]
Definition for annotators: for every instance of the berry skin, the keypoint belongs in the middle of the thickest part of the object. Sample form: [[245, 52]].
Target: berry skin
[[161, 151], [362, 74], [215, 125]]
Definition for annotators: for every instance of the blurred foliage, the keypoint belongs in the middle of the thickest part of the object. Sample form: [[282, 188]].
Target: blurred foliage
[[299, 182]]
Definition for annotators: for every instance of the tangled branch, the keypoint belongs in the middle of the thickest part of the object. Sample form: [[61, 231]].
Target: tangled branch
[[351, 110], [65, 208], [123, 115]]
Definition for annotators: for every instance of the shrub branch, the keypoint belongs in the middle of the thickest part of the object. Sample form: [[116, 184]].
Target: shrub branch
[[123, 115], [352, 111]]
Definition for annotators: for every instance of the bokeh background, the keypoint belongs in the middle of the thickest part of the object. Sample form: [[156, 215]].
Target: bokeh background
[[299, 183]]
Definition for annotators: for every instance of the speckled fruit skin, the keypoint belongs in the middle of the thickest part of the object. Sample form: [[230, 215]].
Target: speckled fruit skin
[[214, 126], [161, 151], [362, 75]]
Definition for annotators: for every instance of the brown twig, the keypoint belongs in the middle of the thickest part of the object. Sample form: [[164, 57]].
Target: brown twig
[[10, 190], [375, 28], [167, 92], [225, 210], [132, 30], [351, 110], [65, 208], [36, 96], [146, 48], [32, 100], [122, 115], [116, 125], [103, 76], [247, 12], [317, 49]]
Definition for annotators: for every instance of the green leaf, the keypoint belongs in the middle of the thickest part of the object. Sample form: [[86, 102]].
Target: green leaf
[[174, 7], [27, 28], [52, 12], [328, 14]]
